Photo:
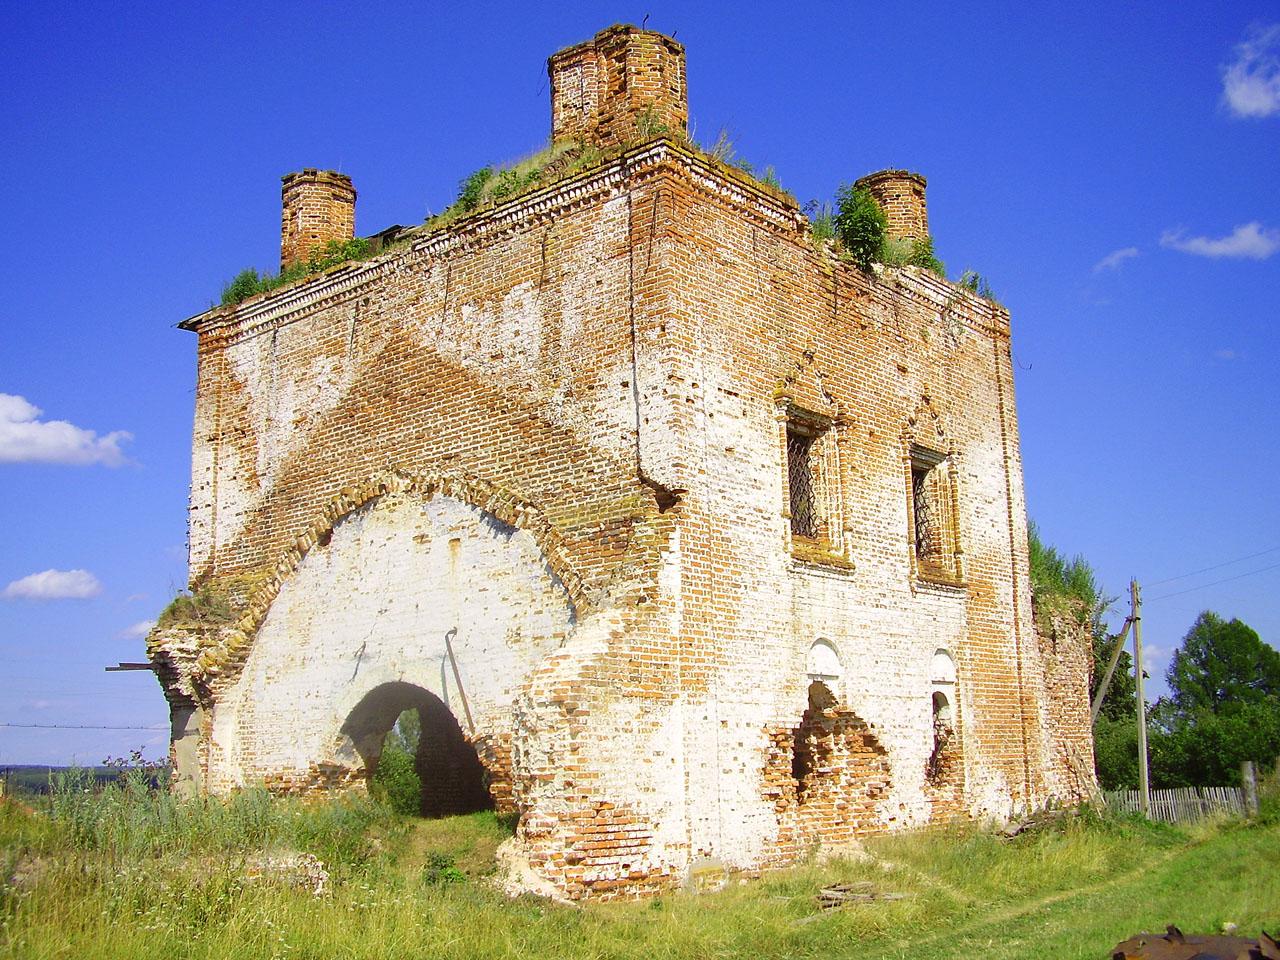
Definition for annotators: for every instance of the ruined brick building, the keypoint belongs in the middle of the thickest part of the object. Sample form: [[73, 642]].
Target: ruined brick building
[[688, 539]]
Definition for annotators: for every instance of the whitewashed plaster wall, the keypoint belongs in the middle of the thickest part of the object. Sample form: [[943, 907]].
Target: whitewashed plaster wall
[[373, 606]]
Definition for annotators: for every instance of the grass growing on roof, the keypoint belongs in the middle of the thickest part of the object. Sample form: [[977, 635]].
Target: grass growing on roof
[[249, 283]]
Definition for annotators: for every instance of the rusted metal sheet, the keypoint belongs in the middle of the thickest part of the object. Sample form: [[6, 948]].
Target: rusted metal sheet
[[1175, 945]]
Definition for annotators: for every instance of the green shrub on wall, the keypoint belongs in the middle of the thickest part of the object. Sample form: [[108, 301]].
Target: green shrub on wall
[[249, 282], [862, 228], [860, 224]]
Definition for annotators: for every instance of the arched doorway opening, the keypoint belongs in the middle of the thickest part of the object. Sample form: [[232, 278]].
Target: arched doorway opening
[[452, 778]]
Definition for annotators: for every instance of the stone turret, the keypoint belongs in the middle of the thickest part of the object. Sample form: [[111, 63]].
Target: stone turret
[[623, 84], [317, 206], [901, 195]]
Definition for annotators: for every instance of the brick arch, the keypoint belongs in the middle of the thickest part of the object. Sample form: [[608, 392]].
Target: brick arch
[[406, 595], [220, 664], [453, 776]]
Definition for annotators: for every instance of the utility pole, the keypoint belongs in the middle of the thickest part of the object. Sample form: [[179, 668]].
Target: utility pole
[[1135, 614], [1105, 685]]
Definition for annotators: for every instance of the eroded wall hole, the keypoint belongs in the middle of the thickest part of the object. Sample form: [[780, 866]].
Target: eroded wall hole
[[841, 771]]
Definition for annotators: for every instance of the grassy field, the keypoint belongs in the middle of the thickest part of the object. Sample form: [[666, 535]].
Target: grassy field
[[128, 874]]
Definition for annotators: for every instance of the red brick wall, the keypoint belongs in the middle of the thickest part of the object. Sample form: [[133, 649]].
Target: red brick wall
[[609, 364]]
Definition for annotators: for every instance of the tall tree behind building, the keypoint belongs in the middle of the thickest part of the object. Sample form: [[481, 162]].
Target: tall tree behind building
[[1223, 707]]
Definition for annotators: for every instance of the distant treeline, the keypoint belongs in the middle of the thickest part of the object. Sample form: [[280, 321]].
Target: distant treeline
[[32, 779]]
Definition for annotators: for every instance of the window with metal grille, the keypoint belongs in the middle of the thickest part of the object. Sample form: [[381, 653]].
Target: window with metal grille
[[924, 513], [804, 518]]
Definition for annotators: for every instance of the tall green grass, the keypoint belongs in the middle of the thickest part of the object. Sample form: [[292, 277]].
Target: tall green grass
[[127, 873], [129, 821]]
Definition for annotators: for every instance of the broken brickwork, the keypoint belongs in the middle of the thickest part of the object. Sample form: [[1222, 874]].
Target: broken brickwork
[[533, 465], [1066, 651]]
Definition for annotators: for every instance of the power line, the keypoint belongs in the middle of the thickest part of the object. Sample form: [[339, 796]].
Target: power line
[[1178, 593], [1216, 566], [74, 726]]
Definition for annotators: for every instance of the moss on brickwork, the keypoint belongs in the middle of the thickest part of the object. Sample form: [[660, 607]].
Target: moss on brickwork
[[212, 604]]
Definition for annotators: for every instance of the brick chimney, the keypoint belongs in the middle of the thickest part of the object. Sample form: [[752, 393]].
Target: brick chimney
[[900, 194], [317, 206], [624, 84]]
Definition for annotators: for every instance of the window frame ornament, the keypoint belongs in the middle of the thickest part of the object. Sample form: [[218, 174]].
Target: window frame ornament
[[823, 539]]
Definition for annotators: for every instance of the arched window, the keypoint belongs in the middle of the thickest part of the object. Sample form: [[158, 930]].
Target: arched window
[[941, 710], [823, 662], [942, 670], [942, 677]]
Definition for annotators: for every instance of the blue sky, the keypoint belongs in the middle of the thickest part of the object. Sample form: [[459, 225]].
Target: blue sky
[[1111, 168]]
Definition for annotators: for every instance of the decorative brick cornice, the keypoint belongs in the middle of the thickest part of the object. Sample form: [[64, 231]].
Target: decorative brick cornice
[[223, 325]]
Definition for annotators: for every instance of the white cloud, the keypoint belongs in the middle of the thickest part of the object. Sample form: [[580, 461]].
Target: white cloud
[[1249, 241], [1113, 259], [1251, 83], [138, 631], [54, 585], [25, 438], [1226, 353]]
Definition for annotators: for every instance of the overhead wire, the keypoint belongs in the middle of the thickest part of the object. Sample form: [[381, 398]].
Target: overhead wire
[[1216, 566], [1214, 583]]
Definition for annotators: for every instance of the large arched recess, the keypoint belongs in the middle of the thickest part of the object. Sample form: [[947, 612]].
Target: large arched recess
[[407, 589]]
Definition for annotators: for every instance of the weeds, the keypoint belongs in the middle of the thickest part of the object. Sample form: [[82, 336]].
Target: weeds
[[130, 820], [440, 869], [862, 228], [722, 150], [471, 190], [860, 225], [205, 606], [248, 283], [649, 127], [821, 221], [975, 282], [1069, 890]]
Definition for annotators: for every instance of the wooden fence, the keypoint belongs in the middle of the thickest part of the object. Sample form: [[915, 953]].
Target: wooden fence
[[1182, 804]]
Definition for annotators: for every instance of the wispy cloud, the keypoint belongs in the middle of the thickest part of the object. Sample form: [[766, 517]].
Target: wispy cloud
[[25, 438], [1249, 241], [1113, 259], [1226, 354], [1251, 82], [137, 631], [54, 585]]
